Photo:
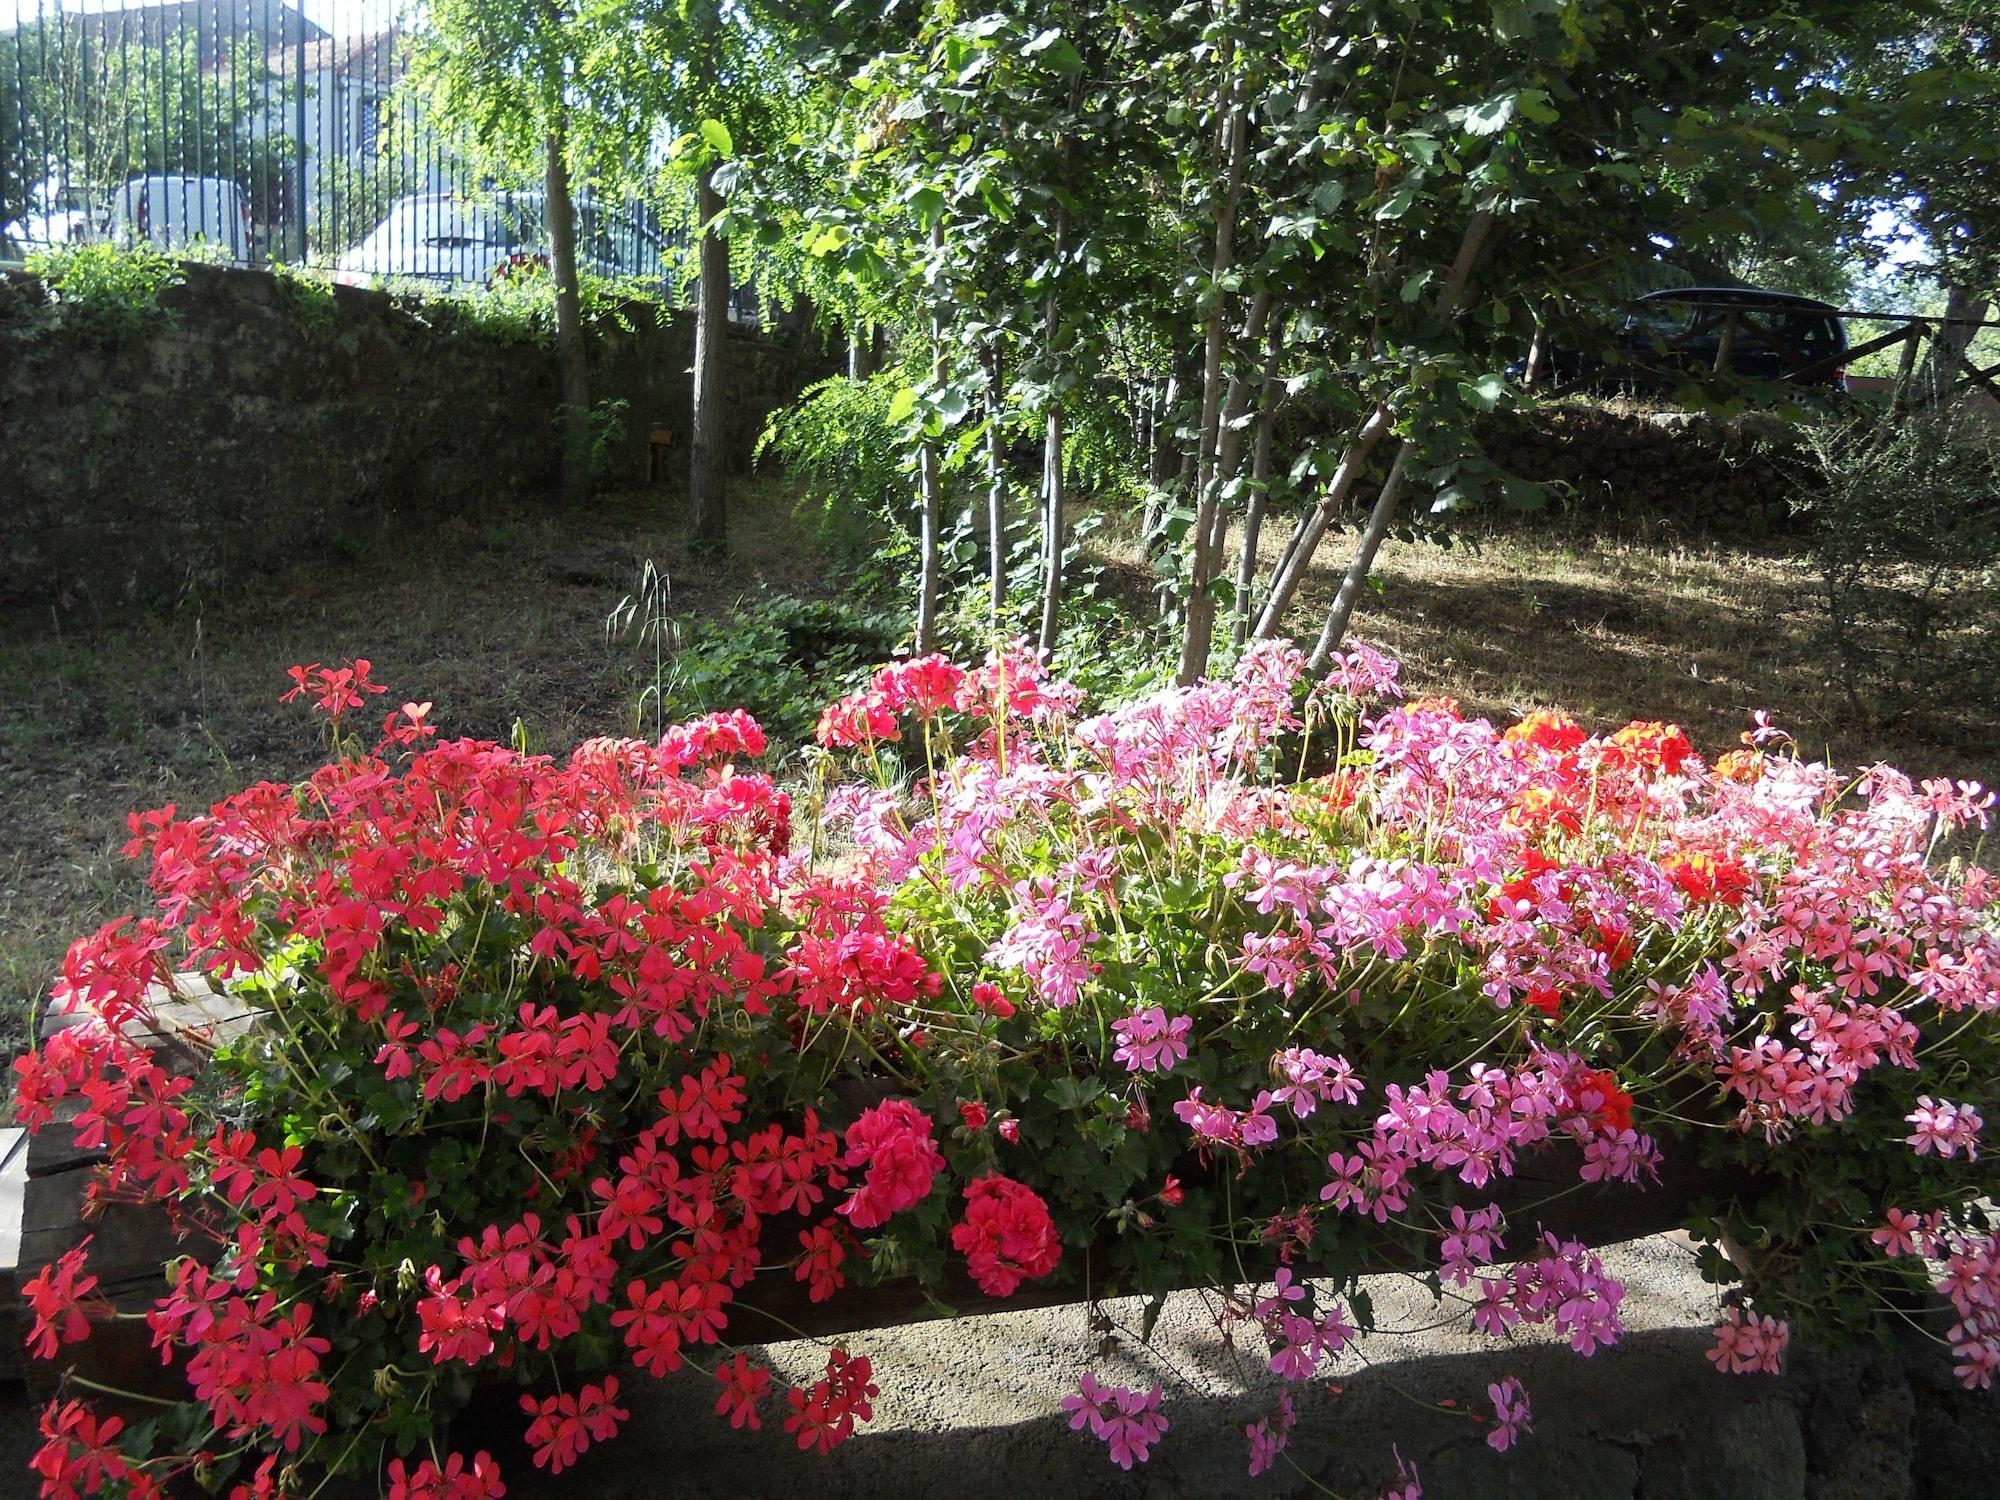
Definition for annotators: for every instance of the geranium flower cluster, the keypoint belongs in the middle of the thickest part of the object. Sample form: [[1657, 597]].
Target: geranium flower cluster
[[1150, 1041], [556, 1056], [515, 994], [1747, 1343], [892, 1144], [1007, 1236], [1609, 941], [1128, 1422], [1968, 1278]]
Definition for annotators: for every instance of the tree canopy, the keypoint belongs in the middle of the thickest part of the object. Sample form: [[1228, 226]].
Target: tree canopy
[[1148, 227]]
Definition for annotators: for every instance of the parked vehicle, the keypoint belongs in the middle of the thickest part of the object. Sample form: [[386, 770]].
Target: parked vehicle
[[1666, 336], [1772, 335], [57, 215], [474, 238], [173, 213], [480, 238]]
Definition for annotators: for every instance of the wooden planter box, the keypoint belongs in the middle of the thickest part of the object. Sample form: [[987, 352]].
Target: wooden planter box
[[133, 1244]]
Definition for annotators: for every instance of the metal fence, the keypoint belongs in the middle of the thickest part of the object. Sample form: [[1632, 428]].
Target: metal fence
[[269, 130]]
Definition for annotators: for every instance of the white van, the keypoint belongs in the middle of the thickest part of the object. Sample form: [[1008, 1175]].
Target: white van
[[55, 215], [171, 213], [437, 237], [473, 238]]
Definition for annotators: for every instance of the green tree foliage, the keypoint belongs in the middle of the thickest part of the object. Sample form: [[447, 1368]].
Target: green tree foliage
[[88, 117], [1391, 191], [1206, 212], [18, 147]]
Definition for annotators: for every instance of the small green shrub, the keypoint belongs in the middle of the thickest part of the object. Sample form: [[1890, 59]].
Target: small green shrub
[[607, 430], [110, 294], [850, 461], [307, 294], [779, 657], [1906, 535], [1108, 644], [520, 306]]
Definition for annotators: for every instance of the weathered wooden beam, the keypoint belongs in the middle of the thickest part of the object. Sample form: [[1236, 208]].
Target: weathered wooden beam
[[1830, 362], [1983, 377]]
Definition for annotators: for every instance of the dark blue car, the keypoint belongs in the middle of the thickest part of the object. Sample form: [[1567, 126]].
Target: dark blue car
[[1745, 332]]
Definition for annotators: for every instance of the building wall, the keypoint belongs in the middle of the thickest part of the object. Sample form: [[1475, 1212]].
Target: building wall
[[239, 439]]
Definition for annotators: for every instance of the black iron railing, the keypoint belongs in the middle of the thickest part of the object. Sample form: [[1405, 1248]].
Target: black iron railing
[[264, 130]]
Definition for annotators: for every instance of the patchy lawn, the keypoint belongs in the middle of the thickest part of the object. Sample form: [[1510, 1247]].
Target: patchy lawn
[[1612, 621], [1612, 629]]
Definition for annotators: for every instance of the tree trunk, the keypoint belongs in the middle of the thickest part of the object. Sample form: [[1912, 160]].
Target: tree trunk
[[1470, 247], [1298, 556], [1358, 570], [572, 362], [708, 515], [996, 482], [1200, 617], [1052, 456], [930, 483], [1149, 412], [1538, 349], [1159, 463], [1906, 365], [1952, 339], [1211, 540], [1260, 484], [1292, 570], [1052, 528], [1164, 454], [861, 360], [1299, 528]]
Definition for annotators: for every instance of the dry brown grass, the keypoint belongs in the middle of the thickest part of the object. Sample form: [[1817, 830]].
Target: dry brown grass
[[1614, 622]]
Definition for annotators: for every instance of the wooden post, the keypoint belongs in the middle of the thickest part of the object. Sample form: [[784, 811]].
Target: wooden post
[[1725, 347], [1899, 393]]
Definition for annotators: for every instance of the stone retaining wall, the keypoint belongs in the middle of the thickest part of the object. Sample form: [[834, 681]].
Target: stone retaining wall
[[1691, 472], [969, 1410], [242, 437]]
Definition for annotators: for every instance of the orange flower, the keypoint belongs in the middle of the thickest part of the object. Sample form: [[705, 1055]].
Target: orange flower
[[1647, 746], [1746, 766], [1548, 729], [1437, 705], [1537, 808]]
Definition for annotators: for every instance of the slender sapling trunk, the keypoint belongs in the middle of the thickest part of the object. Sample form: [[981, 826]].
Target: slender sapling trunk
[[1260, 484], [708, 515], [996, 483], [1471, 245], [572, 360], [930, 482]]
